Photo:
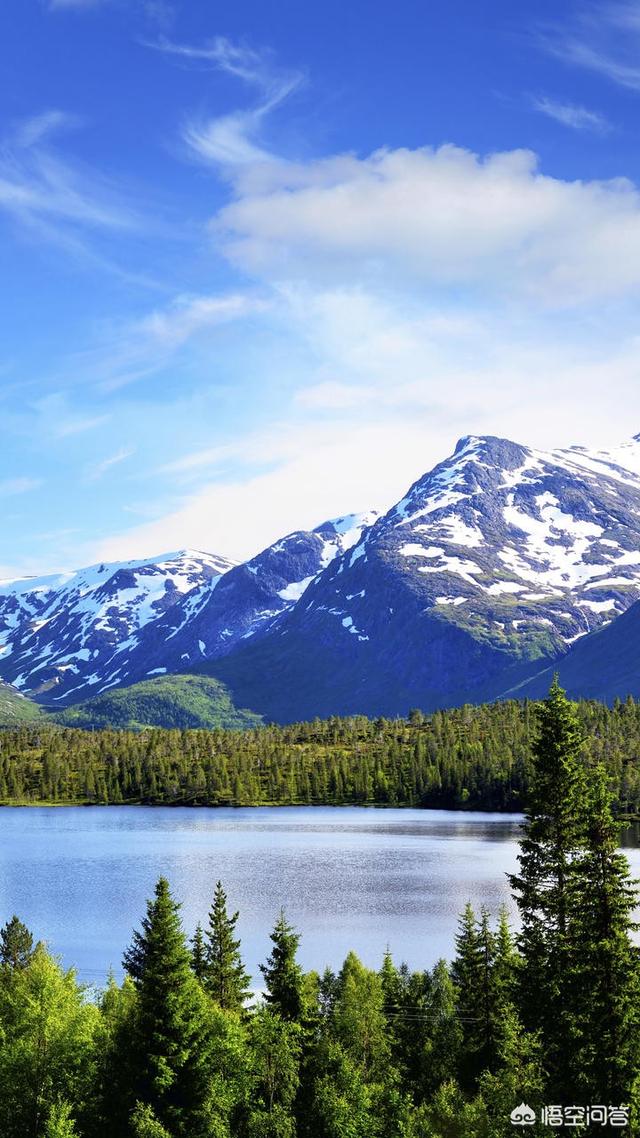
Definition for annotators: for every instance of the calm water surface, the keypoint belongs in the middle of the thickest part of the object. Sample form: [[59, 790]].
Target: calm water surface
[[348, 877]]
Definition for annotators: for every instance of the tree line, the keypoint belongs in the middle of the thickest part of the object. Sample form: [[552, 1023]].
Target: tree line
[[179, 1050], [466, 758]]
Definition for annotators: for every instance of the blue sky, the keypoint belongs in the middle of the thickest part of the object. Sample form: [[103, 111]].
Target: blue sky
[[263, 263]]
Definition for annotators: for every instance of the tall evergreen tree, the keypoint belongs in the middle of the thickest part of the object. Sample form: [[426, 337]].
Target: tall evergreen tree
[[171, 1046], [282, 973], [198, 953], [554, 832], [605, 969], [16, 944], [481, 972], [224, 977], [358, 1020]]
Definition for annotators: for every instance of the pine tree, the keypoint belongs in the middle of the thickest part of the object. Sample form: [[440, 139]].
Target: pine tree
[[518, 1075], [472, 973], [198, 953], [554, 832], [282, 973], [605, 971], [224, 977], [172, 1043], [16, 944]]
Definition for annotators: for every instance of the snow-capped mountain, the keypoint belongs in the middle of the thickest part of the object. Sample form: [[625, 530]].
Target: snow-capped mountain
[[210, 620], [68, 637], [65, 635], [494, 563]]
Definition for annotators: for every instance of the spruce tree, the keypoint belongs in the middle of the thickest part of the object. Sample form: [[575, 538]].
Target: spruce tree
[[198, 953], [16, 944], [282, 973], [171, 1045], [554, 832], [605, 973], [475, 972], [224, 977]]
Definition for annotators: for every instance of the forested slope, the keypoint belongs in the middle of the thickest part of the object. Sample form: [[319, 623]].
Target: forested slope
[[471, 757]]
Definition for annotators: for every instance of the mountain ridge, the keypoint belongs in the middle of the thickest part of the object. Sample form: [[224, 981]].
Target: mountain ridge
[[493, 567]]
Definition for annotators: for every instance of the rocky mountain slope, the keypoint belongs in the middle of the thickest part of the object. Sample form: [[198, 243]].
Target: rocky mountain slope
[[65, 638], [604, 665], [209, 622], [490, 568], [67, 635], [497, 564]]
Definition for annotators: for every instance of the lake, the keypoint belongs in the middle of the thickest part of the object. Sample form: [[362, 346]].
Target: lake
[[348, 877]]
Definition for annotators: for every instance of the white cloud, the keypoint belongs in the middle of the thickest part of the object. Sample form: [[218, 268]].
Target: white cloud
[[439, 219], [572, 115], [199, 460], [59, 420], [60, 201]]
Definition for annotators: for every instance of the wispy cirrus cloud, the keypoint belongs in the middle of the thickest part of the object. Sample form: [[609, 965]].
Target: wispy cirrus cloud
[[41, 190], [136, 349], [11, 486], [600, 37], [34, 130], [60, 420], [572, 115], [233, 139], [97, 470]]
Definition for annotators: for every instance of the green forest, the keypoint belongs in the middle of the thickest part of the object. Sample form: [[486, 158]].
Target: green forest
[[471, 757], [180, 1049]]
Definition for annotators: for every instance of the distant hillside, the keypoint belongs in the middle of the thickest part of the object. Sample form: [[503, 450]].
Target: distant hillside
[[470, 758], [14, 708], [165, 701], [604, 665]]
